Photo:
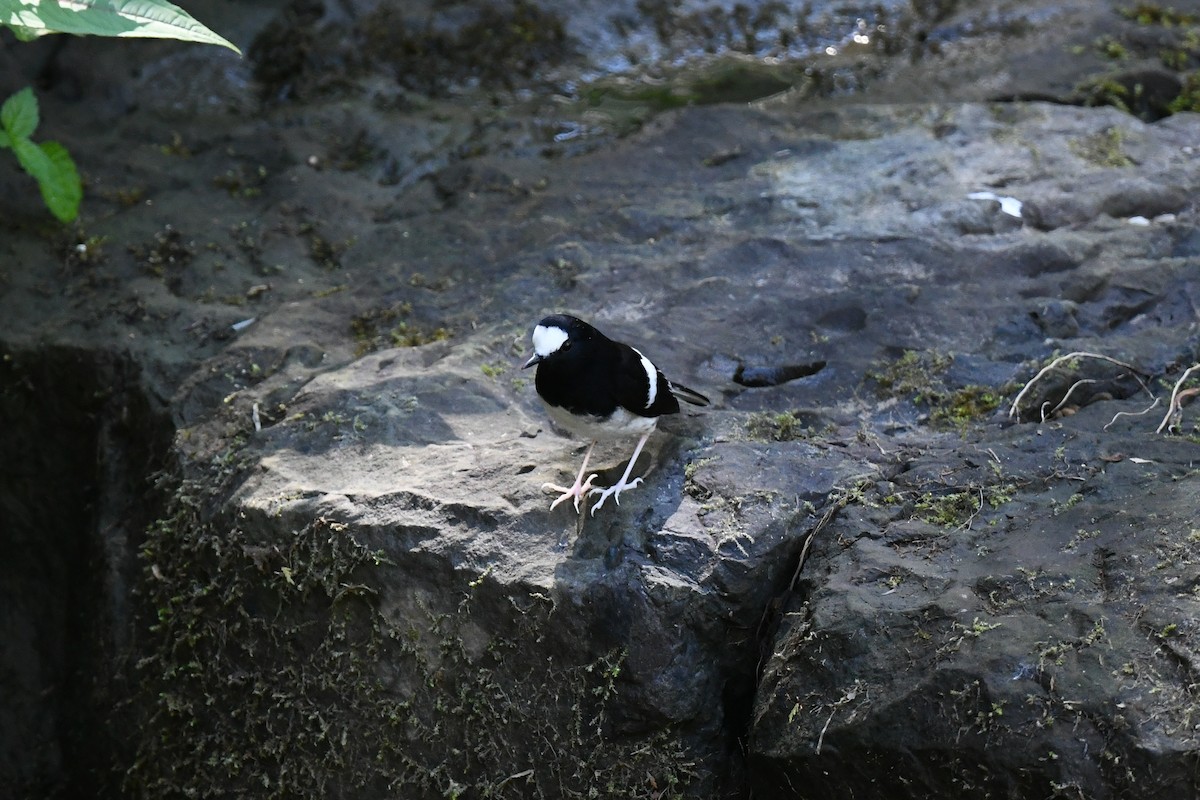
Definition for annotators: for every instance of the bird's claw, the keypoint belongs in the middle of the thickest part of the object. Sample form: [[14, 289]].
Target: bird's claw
[[578, 491], [615, 493]]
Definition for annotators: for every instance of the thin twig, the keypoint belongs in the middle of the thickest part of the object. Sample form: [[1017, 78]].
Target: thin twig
[[525, 774], [966, 526], [821, 738], [1142, 383], [848, 696], [1071, 391], [1014, 411], [842, 500], [1173, 407], [1143, 412]]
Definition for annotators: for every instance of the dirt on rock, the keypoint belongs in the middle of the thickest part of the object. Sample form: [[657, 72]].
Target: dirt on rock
[[271, 494]]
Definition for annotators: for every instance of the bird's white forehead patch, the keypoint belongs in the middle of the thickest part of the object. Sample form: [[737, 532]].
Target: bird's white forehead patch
[[547, 340]]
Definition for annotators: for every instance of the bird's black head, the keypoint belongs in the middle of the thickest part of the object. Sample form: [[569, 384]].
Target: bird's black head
[[557, 336]]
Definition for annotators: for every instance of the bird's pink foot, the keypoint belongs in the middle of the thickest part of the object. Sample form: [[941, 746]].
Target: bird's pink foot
[[615, 492], [624, 483], [578, 491]]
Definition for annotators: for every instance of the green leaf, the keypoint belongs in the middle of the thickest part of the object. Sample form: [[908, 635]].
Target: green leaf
[[52, 167], [62, 188], [33, 159], [19, 114], [22, 33], [155, 19], [49, 163]]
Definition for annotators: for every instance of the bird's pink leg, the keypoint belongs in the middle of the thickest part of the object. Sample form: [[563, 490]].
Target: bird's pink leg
[[624, 483], [581, 487]]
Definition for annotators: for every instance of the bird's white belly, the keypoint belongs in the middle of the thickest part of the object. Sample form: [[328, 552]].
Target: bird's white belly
[[620, 425]]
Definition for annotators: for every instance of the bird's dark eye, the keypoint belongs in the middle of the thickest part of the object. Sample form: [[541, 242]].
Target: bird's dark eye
[[565, 346]]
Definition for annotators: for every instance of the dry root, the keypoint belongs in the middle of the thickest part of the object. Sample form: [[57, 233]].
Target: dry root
[[1015, 410], [1170, 422], [1178, 394]]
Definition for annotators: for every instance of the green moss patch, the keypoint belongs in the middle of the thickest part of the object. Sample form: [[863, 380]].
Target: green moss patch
[[919, 377], [309, 665]]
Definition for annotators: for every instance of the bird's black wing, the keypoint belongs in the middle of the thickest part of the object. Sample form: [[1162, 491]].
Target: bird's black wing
[[631, 380]]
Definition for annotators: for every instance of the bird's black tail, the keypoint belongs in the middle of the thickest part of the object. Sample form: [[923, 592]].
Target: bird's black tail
[[688, 395]]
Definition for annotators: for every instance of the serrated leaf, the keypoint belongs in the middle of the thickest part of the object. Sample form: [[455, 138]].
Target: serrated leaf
[[19, 114], [154, 19], [62, 188]]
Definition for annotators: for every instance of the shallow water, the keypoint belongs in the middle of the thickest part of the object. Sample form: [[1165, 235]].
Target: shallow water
[[627, 36]]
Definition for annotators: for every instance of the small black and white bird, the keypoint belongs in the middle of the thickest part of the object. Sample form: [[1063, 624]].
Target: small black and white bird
[[596, 389]]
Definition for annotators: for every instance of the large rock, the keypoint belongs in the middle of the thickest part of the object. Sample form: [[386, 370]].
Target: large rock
[[422, 594]]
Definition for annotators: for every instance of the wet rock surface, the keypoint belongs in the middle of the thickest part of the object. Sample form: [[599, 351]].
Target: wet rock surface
[[879, 565]]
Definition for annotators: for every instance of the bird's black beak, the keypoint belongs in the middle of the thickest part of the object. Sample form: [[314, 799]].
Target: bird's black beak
[[535, 360]]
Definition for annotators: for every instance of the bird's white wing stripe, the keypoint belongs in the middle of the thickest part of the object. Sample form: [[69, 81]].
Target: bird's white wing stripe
[[651, 378]]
